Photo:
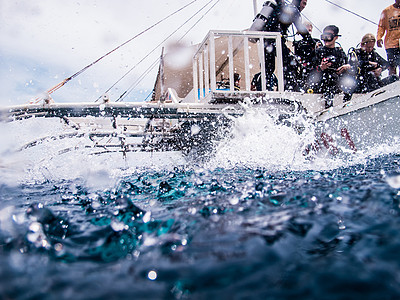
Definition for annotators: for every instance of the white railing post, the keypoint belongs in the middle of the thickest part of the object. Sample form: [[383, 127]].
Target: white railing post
[[212, 63], [279, 68], [195, 80], [246, 62], [206, 71], [201, 74], [230, 53]]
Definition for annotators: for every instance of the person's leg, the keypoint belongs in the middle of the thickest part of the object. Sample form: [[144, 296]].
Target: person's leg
[[390, 79], [391, 60], [332, 86], [372, 82], [396, 59]]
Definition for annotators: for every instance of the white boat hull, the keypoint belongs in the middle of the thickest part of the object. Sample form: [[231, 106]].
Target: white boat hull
[[361, 124]]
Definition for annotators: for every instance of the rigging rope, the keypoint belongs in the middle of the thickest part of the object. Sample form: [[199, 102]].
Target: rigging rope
[[56, 87], [197, 22], [352, 12], [312, 23], [154, 49], [137, 82]]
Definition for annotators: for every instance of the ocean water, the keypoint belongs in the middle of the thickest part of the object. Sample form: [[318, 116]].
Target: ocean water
[[255, 220]]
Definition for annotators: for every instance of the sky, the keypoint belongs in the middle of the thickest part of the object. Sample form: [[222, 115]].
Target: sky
[[45, 41]]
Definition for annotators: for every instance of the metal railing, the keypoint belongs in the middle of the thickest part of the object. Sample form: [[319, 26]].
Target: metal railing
[[206, 69]]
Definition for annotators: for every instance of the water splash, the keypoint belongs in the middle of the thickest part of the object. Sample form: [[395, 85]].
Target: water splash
[[31, 151], [259, 139]]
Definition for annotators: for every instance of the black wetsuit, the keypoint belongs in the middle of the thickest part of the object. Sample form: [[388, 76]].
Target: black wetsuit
[[304, 50], [366, 79], [327, 81]]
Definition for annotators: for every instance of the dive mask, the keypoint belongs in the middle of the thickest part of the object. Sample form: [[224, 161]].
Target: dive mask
[[328, 36]]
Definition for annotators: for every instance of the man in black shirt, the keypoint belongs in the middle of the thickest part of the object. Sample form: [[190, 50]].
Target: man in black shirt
[[330, 64]]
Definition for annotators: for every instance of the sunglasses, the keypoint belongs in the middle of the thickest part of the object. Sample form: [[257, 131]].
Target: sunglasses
[[327, 37]]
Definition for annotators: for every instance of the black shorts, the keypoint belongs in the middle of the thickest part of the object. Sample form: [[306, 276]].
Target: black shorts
[[393, 56]]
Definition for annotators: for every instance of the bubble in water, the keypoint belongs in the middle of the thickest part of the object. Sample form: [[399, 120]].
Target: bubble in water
[[152, 275], [118, 226], [394, 181]]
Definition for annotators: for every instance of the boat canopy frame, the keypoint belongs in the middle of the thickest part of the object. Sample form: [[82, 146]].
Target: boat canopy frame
[[205, 68]]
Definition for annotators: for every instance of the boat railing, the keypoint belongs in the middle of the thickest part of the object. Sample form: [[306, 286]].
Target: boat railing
[[224, 53]]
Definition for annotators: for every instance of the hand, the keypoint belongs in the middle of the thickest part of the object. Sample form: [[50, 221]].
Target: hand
[[373, 64], [325, 64], [377, 72], [379, 43], [343, 68]]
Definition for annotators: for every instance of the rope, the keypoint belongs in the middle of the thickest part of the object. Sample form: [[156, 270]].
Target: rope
[[155, 48], [56, 87], [312, 23], [137, 82], [197, 22], [349, 11], [148, 96]]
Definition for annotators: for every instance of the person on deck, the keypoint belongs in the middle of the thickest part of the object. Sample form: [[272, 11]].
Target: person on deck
[[389, 23], [276, 16], [271, 84], [304, 50], [369, 65], [329, 67], [237, 77]]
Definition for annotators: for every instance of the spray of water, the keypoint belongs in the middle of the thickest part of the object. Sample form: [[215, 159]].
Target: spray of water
[[41, 150], [259, 139], [32, 151]]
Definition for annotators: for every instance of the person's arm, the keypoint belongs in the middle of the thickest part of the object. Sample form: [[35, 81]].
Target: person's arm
[[343, 68], [383, 63], [319, 64], [381, 29], [345, 65]]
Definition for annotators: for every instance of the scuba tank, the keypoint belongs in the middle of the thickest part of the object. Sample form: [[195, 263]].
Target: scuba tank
[[261, 19]]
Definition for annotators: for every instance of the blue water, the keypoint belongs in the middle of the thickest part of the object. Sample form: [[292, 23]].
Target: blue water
[[206, 233]]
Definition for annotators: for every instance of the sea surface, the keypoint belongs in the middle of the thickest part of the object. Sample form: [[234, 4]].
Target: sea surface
[[254, 220]]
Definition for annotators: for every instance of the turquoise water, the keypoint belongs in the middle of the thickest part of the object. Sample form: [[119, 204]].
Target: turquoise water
[[196, 233]]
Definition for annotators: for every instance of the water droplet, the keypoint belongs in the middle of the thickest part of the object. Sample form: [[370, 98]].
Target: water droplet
[[118, 226], [341, 225], [58, 247], [147, 217], [394, 181], [152, 275], [234, 201]]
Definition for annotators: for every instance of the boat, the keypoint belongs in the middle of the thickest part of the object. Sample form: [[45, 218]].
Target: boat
[[194, 106]]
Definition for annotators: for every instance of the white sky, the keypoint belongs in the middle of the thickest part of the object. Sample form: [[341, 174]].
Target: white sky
[[44, 41]]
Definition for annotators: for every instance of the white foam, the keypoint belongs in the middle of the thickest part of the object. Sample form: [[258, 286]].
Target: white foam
[[53, 159], [257, 140]]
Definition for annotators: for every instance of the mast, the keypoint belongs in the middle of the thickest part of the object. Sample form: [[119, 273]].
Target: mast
[[162, 95], [255, 7]]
